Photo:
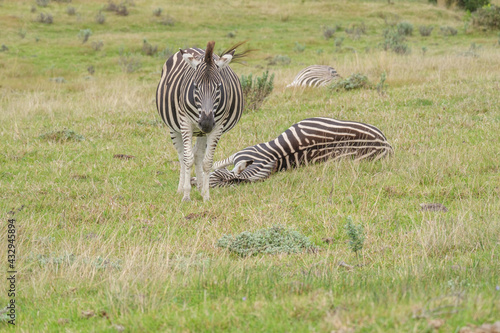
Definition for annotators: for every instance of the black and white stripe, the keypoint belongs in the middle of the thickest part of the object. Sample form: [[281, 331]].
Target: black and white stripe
[[198, 95], [308, 141], [315, 76]]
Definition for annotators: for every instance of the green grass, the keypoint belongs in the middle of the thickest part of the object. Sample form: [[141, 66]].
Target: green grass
[[98, 233]]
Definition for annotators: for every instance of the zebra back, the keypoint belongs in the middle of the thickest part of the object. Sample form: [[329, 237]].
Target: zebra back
[[315, 76], [307, 142]]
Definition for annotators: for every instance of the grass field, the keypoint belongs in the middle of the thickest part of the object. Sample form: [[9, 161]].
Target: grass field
[[105, 244]]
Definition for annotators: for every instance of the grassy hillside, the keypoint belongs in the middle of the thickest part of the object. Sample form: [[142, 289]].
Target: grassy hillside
[[105, 244]]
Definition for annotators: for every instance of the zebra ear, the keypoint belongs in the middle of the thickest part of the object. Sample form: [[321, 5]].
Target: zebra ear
[[190, 59], [224, 60]]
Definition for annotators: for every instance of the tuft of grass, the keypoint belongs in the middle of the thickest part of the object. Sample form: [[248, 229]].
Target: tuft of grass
[[405, 28], [394, 41], [149, 49], [425, 30], [100, 18], [62, 136], [45, 18], [280, 60], [84, 35], [356, 235], [448, 31], [255, 91], [274, 240]]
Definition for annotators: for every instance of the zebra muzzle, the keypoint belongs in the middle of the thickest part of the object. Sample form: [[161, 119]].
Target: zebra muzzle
[[206, 122]]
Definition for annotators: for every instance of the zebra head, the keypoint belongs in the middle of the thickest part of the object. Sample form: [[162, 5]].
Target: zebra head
[[206, 85]]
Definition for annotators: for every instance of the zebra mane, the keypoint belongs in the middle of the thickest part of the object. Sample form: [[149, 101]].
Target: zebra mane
[[209, 52], [237, 57]]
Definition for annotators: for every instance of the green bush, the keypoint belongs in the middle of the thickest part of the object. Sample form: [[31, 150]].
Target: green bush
[[425, 30], [354, 81], [405, 28], [274, 240], [356, 235], [488, 16], [255, 92], [472, 5], [448, 31], [62, 136], [395, 42]]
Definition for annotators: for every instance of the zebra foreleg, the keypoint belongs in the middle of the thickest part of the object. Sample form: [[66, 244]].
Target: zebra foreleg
[[212, 140], [187, 160], [199, 153], [177, 141]]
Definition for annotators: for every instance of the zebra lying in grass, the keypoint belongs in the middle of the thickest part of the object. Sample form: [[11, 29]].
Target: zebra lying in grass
[[314, 76], [309, 141]]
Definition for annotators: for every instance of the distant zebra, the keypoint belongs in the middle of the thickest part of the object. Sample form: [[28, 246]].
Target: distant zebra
[[308, 141], [315, 76], [198, 95]]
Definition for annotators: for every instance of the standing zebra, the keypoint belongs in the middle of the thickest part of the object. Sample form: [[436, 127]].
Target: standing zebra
[[198, 95], [308, 141], [314, 76]]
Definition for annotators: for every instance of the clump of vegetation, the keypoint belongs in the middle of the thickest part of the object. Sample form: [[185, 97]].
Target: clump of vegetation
[[129, 63], [395, 42], [488, 17], [256, 91], [120, 9], [149, 49], [166, 53], [231, 34], [84, 35], [354, 81], [4, 48], [405, 28], [97, 46], [71, 10], [299, 47], [472, 5], [338, 43], [157, 11], [280, 60], [100, 18], [381, 85], [168, 21], [329, 32], [62, 136], [356, 235], [356, 30], [45, 18], [448, 31], [274, 240], [42, 3], [425, 30]]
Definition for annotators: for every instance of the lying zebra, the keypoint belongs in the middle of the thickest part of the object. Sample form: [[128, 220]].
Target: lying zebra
[[314, 76], [308, 141]]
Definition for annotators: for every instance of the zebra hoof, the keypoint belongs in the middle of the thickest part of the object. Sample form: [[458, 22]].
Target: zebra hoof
[[186, 199]]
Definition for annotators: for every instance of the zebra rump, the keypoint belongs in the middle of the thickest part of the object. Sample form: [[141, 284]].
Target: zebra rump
[[314, 76], [307, 142]]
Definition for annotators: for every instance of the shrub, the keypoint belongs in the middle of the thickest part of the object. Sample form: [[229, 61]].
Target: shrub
[[425, 30], [488, 17], [62, 136], [4, 48], [472, 5], [405, 28], [255, 92], [129, 64], [299, 47], [328, 32], [395, 42], [169, 21], [100, 18], [45, 18], [166, 53], [122, 10], [84, 35], [157, 11], [97, 46], [338, 43], [354, 81], [149, 49], [269, 241], [356, 30], [42, 3], [71, 10], [280, 60], [448, 31]]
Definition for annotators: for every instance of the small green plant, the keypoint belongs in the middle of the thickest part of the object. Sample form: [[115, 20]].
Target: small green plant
[[70, 10], [4, 48], [338, 43], [166, 53], [328, 32], [448, 31], [121, 10], [97, 46], [356, 236], [381, 85], [84, 35], [355, 30], [256, 91], [472, 5], [42, 3], [62, 136], [149, 49], [100, 18], [157, 11], [425, 30], [280, 60], [424, 50], [405, 28], [22, 33], [129, 63], [45, 18], [299, 48], [168, 21], [274, 240], [354, 81]]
